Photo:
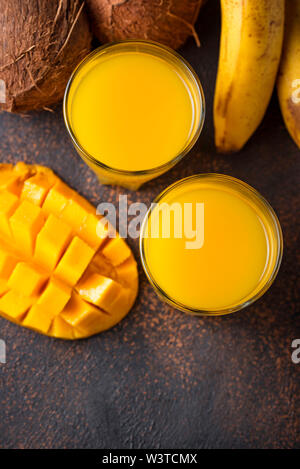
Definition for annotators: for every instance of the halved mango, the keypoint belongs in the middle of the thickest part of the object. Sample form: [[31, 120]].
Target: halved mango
[[59, 273]]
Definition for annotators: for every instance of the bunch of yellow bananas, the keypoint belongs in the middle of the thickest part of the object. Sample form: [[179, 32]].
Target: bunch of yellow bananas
[[253, 47]]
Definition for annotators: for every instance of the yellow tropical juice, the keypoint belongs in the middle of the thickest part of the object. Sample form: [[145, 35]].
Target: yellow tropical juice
[[229, 251], [133, 108]]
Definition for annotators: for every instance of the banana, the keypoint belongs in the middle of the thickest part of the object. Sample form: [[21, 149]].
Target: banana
[[288, 85], [251, 44]]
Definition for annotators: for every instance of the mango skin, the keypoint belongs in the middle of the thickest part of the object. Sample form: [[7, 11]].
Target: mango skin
[[59, 274]]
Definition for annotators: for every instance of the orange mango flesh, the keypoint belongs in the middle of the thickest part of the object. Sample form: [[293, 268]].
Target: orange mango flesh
[[60, 273]]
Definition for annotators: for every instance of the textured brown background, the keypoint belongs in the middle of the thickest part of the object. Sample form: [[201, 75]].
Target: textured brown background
[[162, 379]]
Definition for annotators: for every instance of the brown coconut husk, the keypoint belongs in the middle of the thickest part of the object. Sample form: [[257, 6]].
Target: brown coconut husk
[[170, 22], [41, 42]]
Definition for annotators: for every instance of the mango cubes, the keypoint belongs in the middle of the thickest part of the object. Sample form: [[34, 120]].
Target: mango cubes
[[60, 273]]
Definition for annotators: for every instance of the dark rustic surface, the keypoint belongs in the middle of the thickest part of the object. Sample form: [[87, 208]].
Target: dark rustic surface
[[162, 379]]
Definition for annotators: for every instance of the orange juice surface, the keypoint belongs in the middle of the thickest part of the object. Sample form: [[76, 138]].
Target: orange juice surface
[[236, 250], [131, 110]]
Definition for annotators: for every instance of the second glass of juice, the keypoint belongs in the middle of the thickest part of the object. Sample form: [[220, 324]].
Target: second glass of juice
[[211, 244], [133, 110]]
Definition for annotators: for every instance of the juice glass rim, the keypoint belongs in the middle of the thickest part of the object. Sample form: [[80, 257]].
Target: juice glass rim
[[161, 168], [243, 304]]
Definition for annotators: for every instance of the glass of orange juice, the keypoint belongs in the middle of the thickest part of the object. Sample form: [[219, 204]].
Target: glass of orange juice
[[133, 109], [211, 245]]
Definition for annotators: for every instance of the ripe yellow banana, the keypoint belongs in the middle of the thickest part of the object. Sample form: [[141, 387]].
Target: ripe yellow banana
[[288, 85], [251, 43]]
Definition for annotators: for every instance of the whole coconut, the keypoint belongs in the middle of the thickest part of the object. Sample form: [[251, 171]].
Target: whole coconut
[[170, 22], [41, 42]]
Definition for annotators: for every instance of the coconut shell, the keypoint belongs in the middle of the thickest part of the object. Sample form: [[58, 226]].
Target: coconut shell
[[169, 22], [41, 42]]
